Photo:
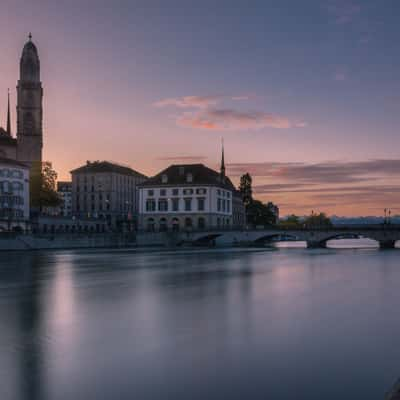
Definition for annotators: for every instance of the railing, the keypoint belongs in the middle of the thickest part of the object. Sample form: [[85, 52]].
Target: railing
[[334, 228]]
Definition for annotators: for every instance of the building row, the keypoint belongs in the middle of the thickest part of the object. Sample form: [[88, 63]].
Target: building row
[[181, 197]]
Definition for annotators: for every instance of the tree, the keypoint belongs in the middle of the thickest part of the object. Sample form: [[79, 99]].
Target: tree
[[43, 186], [245, 189], [317, 220], [292, 221], [259, 214]]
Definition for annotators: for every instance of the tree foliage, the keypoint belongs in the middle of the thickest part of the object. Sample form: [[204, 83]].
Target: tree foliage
[[43, 186], [317, 220], [292, 221], [259, 214], [245, 188]]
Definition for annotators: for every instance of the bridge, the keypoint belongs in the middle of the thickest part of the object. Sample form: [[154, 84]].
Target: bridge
[[315, 237]]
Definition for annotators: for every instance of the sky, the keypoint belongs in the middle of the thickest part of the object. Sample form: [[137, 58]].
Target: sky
[[305, 93]]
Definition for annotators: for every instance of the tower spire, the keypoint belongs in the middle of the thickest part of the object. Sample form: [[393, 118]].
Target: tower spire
[[223, 159], [8, 115]]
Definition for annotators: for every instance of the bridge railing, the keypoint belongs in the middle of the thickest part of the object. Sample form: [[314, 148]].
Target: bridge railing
[[279, 229]]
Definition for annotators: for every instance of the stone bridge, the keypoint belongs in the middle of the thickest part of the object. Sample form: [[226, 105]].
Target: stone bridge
[[316, 237]]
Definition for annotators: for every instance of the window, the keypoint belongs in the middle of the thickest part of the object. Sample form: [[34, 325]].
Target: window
[[163, 225], [175, 192], [17, 174], [17, 186], [164, 178], [201, 223], [175, 225], [223, 205], [188, 223], [219, 204], [150, 225], [150, 192], [150, 205], [163, 192], [201, 191], [228, 206], [189, 177], [163, 205], [200, 203], [219, 192], [175, 204], [188, 204], [187, 191], [228, 195]]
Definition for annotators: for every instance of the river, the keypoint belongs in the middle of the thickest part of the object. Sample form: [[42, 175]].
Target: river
[[286, 323]]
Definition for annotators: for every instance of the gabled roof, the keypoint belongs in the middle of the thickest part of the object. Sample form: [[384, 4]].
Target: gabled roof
[[202, 175], [106, 166]]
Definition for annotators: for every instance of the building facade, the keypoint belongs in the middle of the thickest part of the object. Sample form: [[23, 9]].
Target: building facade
[[14, 195], [64, 190], [28, 144], [188, 197], [106, 191]]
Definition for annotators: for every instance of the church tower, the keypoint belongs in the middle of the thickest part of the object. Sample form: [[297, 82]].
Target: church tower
[[29, 106]]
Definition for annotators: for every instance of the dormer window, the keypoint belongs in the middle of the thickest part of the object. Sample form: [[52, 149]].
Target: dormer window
[[164, 178], [189, 177]]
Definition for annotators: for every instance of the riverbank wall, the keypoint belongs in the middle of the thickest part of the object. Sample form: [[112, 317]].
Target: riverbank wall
[[73, 241]]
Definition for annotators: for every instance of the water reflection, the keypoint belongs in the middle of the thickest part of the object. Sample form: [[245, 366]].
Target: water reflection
[[281, 324]]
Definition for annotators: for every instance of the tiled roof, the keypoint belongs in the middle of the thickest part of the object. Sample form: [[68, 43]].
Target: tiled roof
[[106, 166], [202, 175]]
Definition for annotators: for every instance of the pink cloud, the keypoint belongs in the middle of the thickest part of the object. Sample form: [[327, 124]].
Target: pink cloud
[[205, 114], [228, 119]]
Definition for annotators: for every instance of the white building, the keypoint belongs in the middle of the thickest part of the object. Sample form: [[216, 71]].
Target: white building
[[64, 190], [189, 197], [14, 195]]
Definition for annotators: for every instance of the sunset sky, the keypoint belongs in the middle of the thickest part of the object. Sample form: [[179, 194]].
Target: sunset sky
[[305, 93]]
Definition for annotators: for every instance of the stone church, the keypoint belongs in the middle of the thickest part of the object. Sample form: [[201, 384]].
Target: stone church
[[28, 143]]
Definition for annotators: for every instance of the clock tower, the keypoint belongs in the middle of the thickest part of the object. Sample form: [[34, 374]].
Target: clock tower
[[29, 106]]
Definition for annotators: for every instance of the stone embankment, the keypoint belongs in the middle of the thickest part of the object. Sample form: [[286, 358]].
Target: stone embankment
[[59, 241]]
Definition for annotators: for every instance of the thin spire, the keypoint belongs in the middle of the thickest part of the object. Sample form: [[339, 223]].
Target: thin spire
[[8, 115], [223, 159]]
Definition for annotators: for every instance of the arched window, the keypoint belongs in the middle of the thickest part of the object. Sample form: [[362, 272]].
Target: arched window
[[201, 223], [163, 225], [188, 223], [150, 225], [175, 224]]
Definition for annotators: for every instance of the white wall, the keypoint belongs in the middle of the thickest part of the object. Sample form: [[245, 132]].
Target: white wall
[[211, 199]]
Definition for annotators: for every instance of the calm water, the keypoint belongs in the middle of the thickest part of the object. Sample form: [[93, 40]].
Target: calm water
[[281, 324]]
